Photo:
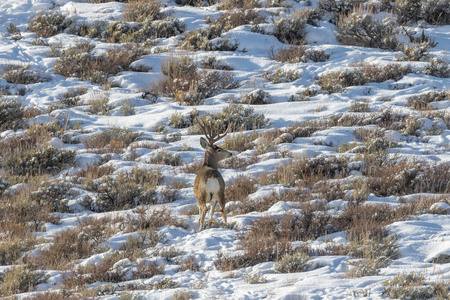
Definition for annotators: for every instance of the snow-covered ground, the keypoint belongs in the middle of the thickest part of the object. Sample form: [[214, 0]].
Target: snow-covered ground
[[421, 238]]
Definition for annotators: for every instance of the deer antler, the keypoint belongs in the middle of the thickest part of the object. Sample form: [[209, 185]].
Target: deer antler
[[208, 131]]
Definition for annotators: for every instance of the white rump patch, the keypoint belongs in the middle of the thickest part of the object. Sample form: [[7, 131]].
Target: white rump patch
[[212, 185]]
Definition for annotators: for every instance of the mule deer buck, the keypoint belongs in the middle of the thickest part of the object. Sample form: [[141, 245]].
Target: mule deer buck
[[209, 185]]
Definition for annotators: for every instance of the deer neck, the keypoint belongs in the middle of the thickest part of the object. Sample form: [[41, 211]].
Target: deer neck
[[210, 161]]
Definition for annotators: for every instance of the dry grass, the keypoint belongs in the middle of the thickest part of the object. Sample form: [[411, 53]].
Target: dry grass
[[73, 244], [192, 168], [145, 218], [264, 241], [89, 274], [188, 263], [95, 171], [400, 177], [269, 238], [20, 217], [239, 188], [51, 295], [239, 141]]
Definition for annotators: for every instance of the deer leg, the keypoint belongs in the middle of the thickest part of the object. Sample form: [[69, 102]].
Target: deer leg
[[222, 207], [211, 211], [202, 217]]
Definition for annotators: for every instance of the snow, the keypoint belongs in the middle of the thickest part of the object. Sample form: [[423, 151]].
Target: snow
[[420, 238]]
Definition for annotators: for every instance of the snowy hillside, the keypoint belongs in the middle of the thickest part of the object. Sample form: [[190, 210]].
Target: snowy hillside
[[339, 124]]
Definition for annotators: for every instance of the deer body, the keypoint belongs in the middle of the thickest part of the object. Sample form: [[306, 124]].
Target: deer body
[[209, 186]]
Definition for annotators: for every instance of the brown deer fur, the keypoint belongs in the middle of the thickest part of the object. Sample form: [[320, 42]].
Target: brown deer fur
[[209, 186]]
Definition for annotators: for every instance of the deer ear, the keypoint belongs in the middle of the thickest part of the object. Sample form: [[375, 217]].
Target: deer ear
[[204, 143]]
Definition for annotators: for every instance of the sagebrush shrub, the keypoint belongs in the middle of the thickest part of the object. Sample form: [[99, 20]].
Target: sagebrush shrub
[[228, 20], [437, 67], [113, 139], [415, 52], [281, 75], [40, 160], [207, 40], [337, 7], [421, 102], [359, 107], [12, 248], [254, 278], [240, 188], [71, 98], [264, 241], [408, 286], [231, 4], [14, 31], [99, 104], [23, 75], [20, 280], [196, 3], [407, 11], [186, 84], [166, 158], [146, 218], [256, 97], [365, 30], [178, 120], [102, 271], [239, 141], [68, 245], [303, 95], [12, 113], [237, 117], [141, 10], [293, 263], [401, 178], [47, 24], [335, 82], [436, 12], [145, 31], [291, 29], [433, 12], [123, 191], [79, 61], [291, 54], [269, 238], [211, 62], [360, 74], [127, 108], [54, 194], [189, 263], [148, 269]]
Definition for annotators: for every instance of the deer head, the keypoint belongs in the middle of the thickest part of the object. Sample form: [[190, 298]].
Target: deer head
[[213, 153]]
